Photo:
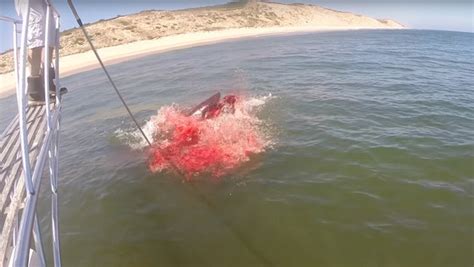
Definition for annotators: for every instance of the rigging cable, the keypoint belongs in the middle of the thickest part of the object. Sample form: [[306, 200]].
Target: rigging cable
[[78, 19]]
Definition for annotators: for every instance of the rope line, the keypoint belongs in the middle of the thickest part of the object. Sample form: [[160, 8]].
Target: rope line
[[78, 19]]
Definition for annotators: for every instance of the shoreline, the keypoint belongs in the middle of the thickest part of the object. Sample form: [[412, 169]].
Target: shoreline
[[76, 63]]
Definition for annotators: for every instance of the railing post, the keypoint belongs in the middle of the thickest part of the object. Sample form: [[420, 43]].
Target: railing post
[[21, 249], [28, 223], [38, 242], [46, 66], [21, 99], [54, 177], [56, 59], [20, 258], [17, 82], [15, 52]]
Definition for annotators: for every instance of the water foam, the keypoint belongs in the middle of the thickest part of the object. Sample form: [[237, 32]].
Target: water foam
[[192, 146]]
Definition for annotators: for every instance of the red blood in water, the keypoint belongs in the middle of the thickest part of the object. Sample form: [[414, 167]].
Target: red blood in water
[[193, 146]]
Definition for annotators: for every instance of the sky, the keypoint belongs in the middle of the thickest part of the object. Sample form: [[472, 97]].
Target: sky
[[452, 15]]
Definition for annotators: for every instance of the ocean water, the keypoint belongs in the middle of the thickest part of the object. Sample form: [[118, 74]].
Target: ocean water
[[372, 162]]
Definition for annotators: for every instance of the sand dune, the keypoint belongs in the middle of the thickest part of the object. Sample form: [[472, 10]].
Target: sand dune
[[157, 31]]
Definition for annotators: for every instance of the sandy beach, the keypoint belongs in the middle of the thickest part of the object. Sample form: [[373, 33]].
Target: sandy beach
[[76, 63], [155, 31]]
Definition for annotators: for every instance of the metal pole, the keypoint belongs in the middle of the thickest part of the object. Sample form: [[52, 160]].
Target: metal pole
[[15, 52], [29, 225], [47, 56], [38, 242], [52, 153], [54, 178], [56, 60], [55, 230], [21, 95], [20, 257], [46, 66]]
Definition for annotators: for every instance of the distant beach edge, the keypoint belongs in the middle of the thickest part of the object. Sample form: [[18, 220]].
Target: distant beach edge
[[76, 63]]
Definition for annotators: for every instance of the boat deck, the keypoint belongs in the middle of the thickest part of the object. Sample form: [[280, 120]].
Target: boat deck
[[12, 186]]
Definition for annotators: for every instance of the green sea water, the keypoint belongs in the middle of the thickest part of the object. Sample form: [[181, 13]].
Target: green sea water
[[372, 163]]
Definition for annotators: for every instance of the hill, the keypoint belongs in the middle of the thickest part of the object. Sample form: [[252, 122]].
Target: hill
[[154, 24]]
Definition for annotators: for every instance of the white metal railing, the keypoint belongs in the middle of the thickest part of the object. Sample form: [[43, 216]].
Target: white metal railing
[[29, 224]]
